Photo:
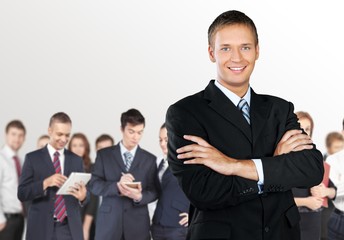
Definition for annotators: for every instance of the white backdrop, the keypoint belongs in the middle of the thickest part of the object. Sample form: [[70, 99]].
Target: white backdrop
[[96, 59]]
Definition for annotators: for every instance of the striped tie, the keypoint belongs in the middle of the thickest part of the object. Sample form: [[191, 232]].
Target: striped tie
[[59, 207], [128, 160], [245, 109]]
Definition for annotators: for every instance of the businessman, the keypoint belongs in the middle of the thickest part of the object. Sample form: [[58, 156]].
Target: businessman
[[225, 146], [52, 216], [123, 213]]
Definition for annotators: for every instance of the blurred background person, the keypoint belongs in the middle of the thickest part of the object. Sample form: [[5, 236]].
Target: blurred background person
[[80, 145], [170, 219], [310, 201], [11, 209], [103, 141], [334, 142], [42, 141]]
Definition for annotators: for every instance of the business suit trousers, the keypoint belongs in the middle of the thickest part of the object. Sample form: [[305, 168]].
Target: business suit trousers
[[168, 233], [62, 231], [336, 225], [310, 225], [14, 227]]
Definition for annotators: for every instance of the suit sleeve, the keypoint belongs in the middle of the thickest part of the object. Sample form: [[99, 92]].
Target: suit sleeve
[[302, 169], [99, 185], [205, 188], [29, 188]]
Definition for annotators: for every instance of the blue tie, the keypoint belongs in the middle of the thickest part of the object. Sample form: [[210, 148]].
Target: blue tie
[[245, 109], [128, 160]]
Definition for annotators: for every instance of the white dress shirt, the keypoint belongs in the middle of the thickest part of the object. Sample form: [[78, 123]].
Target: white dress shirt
[[336, 161], [52, 151], [235, 99], [9, 203]]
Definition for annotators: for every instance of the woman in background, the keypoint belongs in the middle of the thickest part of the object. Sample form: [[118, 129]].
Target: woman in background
[[79, 145], [309, 201]]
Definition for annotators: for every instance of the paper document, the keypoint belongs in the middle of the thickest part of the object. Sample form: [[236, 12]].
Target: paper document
[[74, 177]]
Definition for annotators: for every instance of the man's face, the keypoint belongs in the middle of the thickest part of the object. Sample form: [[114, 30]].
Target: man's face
[[59, 134], [15, 138], [235, 52], [132, 135], [336, 146], [103, 144]]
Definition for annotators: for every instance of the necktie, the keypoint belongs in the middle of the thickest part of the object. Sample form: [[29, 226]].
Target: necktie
[[161, 169], [245, 109], [128, 160], [17, 163], [59, 206]]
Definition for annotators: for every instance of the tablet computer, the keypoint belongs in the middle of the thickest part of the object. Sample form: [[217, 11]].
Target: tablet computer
[[74, 177]]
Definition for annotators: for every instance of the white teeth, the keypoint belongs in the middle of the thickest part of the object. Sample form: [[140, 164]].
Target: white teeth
[[237, 68]]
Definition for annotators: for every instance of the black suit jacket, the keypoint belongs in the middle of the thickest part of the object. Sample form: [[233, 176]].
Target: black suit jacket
[[38, 166], [172, 201], [119, 216], [229, 207]]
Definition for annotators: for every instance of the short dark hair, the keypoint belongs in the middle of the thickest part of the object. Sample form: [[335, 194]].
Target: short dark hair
[[15, 124], [163, 126], [132, 116], [231, 17], [105, 137], [333, 136], [60, 117]]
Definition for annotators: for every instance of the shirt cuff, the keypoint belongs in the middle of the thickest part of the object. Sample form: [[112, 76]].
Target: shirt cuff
[[259, 168]]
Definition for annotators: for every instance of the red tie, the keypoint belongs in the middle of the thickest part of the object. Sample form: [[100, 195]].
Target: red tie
[[60, 207], [17, 163]]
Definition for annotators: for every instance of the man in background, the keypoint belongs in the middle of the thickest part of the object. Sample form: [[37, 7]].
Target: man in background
[[11, 209]]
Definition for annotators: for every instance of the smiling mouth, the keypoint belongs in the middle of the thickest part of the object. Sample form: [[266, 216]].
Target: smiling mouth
[[236, 68]]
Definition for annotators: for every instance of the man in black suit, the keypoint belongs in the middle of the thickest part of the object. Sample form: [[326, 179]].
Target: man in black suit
[[123, 213], [52, 216], [223, 149]]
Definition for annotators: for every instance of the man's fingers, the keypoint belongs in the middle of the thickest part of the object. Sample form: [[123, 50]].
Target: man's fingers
[[197, 140], [290, 133]]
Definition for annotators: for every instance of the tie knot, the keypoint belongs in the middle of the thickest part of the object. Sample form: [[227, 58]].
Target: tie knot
[[56, 154], [128, 155], [242, 103]]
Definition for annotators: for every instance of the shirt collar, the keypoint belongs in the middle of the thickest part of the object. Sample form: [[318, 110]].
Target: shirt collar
[[124, 149], [232, 96], [8, 151], [52, 150]]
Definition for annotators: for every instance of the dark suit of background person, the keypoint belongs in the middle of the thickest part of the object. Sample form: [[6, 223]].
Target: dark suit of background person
[[229, 207], [119, 216], [171, 202], [38, 166]]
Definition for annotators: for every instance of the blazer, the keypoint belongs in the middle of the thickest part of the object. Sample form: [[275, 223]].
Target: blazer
[[229, 207], [172, 201], [38, 166], [120, 216]]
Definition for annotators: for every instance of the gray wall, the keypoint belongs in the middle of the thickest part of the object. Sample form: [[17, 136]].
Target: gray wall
[[96, 59]]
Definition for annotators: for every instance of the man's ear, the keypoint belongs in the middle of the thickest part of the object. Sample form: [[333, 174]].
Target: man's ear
[[211, 54]]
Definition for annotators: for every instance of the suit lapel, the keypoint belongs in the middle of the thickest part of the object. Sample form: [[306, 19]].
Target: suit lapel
[[67, 163], [136, 159], [223, 106], [118, 156], [259, 112], [47, 160]]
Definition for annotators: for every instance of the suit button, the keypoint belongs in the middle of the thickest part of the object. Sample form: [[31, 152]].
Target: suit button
[[266, 229]]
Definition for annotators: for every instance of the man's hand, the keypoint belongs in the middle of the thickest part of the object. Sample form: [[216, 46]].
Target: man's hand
[[203, 153], [79, 191], [127, 177], [185, 219], [54, 180], [133, 193], [2, 226], [293, 141], [314, 203]]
